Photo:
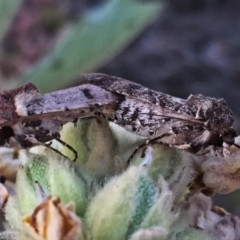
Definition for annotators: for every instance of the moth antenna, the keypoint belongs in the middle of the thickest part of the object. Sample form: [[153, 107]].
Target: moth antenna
[[236, 145], [69, 147], [55, 150]]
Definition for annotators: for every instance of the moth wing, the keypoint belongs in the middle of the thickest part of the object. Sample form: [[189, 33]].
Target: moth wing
[[138, 92], [128, 88], [69, 104]]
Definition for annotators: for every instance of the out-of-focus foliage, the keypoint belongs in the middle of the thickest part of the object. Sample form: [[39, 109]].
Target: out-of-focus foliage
[[91, 41], [7, 13]]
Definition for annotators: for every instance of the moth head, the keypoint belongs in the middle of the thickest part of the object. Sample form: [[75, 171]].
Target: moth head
[[217, 115], [220, 117]]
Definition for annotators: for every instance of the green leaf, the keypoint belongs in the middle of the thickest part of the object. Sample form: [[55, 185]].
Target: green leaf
[[92, 41]]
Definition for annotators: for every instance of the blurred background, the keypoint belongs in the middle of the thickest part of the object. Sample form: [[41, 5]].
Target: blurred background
[[177, 47]]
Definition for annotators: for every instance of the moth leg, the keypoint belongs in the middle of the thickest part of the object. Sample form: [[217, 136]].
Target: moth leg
[[148, 142], [69, 147], [47, 145]]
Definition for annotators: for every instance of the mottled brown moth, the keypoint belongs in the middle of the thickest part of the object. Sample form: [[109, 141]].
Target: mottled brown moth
[[197, 124]]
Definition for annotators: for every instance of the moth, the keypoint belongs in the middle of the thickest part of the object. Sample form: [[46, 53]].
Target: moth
[[198, 124]]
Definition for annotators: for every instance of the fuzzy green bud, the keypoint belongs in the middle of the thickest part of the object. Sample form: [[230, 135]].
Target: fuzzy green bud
[[128, 203], [42, 177], [94, 143], [173, 165]]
